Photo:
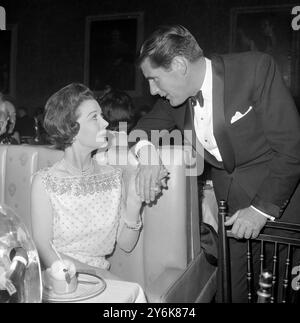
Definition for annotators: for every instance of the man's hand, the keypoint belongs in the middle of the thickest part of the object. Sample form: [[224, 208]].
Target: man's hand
[[246, 223], [151, 174]]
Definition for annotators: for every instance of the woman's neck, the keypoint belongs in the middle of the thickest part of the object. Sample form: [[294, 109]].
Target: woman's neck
[[80, 160]]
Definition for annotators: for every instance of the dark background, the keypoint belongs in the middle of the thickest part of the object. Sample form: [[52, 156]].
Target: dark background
[[113, 45], [5, 41], [51, 36]]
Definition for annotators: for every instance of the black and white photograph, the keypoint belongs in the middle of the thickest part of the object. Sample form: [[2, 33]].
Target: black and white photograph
[[150, 155]]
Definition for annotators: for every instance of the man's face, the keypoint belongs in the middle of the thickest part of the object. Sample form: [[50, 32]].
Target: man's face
[[168, 83]]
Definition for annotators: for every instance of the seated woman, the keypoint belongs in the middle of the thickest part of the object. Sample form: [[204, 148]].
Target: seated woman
[[77, 204], [10, 136]]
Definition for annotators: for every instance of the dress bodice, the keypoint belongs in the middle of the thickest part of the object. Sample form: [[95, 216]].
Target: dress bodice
[[86, 212]]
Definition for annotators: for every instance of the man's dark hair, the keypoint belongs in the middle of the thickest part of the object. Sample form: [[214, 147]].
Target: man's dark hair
[[168, 42]]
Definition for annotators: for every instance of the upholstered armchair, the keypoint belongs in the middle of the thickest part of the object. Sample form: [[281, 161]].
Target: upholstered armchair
[[167, 261]]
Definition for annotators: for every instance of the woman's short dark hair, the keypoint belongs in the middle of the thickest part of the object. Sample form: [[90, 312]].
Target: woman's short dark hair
[[61, 115], [167, 42], [117, 106]]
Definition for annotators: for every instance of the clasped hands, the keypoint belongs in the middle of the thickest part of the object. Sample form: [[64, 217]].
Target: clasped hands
[[151, 175], [149, 181], [246, 223]]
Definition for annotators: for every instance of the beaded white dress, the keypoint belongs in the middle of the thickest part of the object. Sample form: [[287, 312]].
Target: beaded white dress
[[86, 212]]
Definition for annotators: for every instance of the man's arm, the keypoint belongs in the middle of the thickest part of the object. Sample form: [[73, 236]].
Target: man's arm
[[159, 118], [150, 169]]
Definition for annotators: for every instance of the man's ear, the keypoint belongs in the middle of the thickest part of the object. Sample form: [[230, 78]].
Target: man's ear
[[179, 64]]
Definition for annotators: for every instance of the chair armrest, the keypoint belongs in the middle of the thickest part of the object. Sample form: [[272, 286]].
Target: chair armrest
[[164, 282], [197, 283]]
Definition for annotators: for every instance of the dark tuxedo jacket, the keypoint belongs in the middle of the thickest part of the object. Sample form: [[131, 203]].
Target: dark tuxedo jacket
[[257, 129]]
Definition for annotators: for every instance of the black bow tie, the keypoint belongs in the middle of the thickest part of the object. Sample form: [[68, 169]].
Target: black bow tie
[[199, 98]]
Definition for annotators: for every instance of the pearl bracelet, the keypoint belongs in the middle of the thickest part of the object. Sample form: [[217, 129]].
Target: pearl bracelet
[[132, 225]]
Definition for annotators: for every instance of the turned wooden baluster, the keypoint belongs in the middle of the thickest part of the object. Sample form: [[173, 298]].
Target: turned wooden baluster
[[249, 272], [265, 286], [224, 264], [285, 284], [274, 273]]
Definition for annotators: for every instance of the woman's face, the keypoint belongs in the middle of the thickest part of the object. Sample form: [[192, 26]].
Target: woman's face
[[92, 132]]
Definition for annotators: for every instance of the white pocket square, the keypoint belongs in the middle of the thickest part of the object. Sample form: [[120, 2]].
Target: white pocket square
[[238, 115]]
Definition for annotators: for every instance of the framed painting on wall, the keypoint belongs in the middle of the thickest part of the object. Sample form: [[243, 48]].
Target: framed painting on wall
[[8, 48], [269, 30], [111, 45]]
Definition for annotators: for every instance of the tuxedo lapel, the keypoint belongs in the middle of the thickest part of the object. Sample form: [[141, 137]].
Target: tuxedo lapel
[[192, 138], [220, 132], [190, 135]]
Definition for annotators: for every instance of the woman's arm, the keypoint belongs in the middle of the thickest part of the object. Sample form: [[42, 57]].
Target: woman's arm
[[42, 221], [130, 218]]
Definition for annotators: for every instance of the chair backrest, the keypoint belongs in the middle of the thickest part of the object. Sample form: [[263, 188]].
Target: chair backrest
[[18, 164], [280, 239], [170, 236]]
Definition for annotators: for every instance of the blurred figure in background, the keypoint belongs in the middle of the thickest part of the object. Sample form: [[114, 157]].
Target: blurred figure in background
[[143, 110], [7, 122], [24, 125], [5, 136], [11, 110], [118, 110], [117, 106], [41, 135]]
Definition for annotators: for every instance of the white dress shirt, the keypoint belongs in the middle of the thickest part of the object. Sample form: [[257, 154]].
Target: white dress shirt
[[203, 120]]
